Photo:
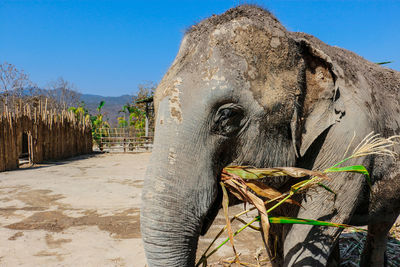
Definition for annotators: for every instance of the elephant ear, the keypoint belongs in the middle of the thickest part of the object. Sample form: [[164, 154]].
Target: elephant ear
[[322, 106]]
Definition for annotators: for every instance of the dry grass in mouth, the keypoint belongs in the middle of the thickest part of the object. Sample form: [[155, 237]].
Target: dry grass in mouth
[[237, 180]]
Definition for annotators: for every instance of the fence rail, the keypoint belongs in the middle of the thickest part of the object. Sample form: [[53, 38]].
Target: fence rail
[[125, 139], [41, 134]]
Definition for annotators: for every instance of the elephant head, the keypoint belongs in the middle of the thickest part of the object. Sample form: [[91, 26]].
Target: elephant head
[[242, 90]]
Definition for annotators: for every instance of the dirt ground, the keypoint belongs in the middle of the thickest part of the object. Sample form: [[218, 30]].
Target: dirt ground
[[80, 212], [85, 212]]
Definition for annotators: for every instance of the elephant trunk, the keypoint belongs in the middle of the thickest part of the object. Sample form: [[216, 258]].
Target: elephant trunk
[[169, 238], [167, 241], [179, 191]]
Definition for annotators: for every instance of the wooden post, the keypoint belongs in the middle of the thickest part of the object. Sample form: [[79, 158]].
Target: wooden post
[[30, 147], [147, 121], [2, 145]]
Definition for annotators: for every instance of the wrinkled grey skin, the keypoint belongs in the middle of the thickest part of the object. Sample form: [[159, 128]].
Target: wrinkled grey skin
[[243, 90]]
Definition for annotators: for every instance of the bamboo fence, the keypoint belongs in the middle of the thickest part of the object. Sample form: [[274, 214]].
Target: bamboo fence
[[47, 134]]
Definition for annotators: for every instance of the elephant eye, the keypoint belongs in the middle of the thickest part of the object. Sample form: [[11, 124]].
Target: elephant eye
[[228, 120], [225, 114]]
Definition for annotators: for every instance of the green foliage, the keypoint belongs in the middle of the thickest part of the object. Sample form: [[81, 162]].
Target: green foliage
[[291, 220], [100, 105], [136, 117], [122, 123], [80, 112], [99, 125], [354, 168]]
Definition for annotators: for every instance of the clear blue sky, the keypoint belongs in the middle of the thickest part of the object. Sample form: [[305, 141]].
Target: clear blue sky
[[109, 47]]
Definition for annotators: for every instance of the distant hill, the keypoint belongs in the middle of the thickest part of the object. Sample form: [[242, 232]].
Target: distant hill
[[113, 104], [111, 108]]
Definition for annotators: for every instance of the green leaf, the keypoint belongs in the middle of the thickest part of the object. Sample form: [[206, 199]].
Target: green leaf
[[327, 189], [244, 174], [299, 185], [72, 109], [354, 168], [384, 62], [292, 220], [101, 105], [80, 110]]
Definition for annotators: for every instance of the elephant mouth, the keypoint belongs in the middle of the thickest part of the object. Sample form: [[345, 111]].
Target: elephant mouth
[[282, 183]]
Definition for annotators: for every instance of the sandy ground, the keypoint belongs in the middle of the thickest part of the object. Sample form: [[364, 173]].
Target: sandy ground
[[85, 212], [80, 212]]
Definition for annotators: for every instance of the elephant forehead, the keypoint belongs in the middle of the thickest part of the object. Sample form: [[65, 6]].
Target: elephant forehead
[[250, 39], [234, 57], [264, 57]]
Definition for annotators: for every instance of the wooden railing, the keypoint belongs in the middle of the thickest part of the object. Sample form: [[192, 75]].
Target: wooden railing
[[125, 139]]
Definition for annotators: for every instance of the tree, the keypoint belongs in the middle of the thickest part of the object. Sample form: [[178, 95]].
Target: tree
[[143, 107], [63, 93], [136, 117], [98, 124], [12, 84], [80, 111], [146, 90], [15, 86]]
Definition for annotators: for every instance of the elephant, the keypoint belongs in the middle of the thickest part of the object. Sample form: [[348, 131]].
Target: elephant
[[243, 90]]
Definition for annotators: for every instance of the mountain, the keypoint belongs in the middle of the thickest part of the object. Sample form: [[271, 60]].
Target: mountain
[[111, 108]]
